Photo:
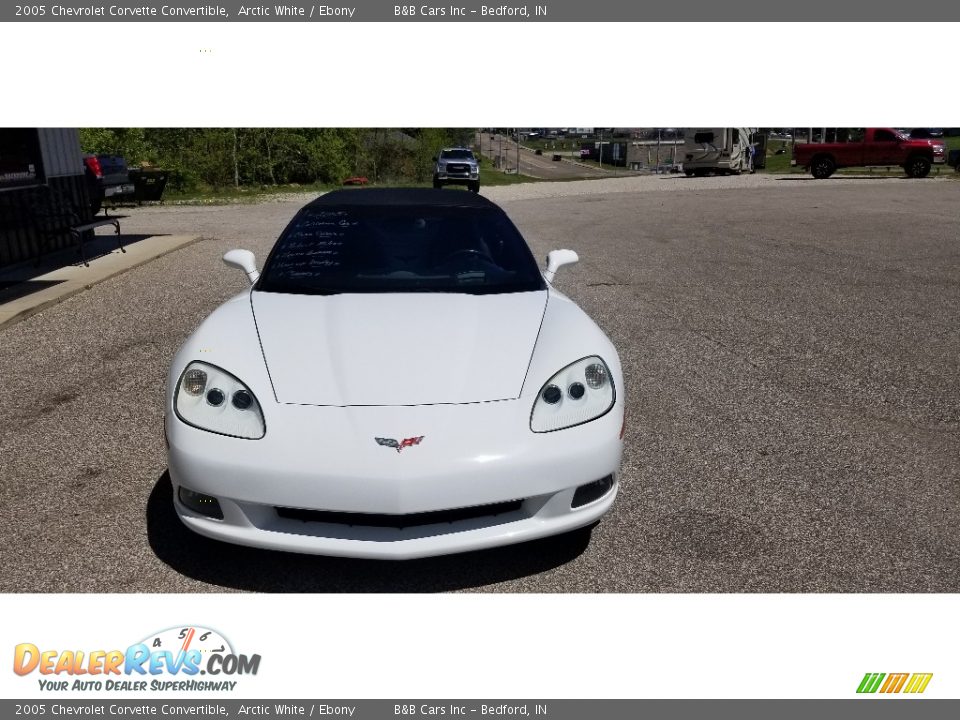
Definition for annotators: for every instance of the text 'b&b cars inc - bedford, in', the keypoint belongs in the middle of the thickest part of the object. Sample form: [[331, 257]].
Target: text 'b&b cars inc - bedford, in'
[[401, 380]]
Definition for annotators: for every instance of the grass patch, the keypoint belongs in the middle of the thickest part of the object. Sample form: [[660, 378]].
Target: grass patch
[[491, 177], [780, 164]]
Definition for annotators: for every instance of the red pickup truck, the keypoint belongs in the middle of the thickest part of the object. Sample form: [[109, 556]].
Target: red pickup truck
[[873, 146]]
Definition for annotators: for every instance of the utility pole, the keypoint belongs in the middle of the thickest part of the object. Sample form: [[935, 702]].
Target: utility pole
[[236, 167], [601, 149], [658, 151], [518, 151]]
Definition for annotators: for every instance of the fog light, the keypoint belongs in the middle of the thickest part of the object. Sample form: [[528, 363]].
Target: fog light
[[200, 503], [590, 492]]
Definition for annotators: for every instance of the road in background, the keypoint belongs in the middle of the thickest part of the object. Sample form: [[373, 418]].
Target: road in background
[[542, 167], [790, 355]]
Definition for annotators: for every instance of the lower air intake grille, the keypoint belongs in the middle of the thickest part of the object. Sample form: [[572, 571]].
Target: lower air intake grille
[[399, 521], [586, 494]]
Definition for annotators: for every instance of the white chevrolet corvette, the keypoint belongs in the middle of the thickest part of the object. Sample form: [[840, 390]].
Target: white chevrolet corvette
[[400, 381]]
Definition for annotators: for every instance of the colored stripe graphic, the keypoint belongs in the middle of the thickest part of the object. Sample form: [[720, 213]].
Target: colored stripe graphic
[[894, 682], [870, 682], [918, 683]]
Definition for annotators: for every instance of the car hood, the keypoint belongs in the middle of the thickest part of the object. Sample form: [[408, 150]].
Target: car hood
[[398, 348]]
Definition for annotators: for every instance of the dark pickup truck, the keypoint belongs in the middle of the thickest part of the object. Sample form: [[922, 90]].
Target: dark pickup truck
[[883, 147], [107, 177]]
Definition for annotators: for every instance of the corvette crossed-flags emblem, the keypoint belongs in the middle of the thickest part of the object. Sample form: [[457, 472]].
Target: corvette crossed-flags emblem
[[399, 445]]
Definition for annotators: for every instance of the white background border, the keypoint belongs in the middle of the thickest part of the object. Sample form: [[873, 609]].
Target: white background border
[[406, 647], [504, 74]]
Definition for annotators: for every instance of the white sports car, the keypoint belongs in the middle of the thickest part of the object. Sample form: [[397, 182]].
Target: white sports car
[[400, 381]]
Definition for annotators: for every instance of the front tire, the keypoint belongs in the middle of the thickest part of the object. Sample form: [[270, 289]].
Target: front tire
[[917, 167], [474, 187], [437, 185], [822, 167]]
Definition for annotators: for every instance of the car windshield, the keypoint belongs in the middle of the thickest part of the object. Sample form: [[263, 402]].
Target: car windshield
[[329, 249], [456, 155]]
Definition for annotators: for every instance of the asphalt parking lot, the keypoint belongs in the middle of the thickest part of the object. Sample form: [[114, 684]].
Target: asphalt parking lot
[[793, 377]]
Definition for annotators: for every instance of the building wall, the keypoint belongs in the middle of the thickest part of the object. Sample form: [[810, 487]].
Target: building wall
[[21, 240], [61, 152]]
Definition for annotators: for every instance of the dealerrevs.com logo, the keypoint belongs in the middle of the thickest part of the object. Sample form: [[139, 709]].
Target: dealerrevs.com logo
[[910, 683], [170, 660]]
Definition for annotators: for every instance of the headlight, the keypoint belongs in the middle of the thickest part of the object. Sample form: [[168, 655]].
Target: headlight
[[212, 399], [579, 393]]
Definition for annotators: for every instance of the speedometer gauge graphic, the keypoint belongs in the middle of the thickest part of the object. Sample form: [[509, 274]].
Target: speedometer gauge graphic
[[183, 639]]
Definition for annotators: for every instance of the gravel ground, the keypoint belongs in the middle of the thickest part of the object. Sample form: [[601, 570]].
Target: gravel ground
[[790, 350]]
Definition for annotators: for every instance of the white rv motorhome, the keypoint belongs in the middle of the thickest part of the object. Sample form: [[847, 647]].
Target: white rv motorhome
[[719, 150]]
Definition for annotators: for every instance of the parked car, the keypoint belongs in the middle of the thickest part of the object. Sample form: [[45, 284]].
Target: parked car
[[456, 166], [869, 147], [108, 178], [402, 380]]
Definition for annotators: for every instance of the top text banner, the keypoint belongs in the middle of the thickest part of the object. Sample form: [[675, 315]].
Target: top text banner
[[578, 11]]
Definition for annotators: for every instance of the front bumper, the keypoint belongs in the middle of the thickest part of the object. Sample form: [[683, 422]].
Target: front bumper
[[327, 460], [118, 190], [456, 176]]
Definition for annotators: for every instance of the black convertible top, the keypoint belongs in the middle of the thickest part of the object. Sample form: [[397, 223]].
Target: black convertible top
[[400, 240], [374, 197]]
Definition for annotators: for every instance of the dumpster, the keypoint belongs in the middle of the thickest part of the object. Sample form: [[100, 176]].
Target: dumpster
[[953, 159], [148, 184]]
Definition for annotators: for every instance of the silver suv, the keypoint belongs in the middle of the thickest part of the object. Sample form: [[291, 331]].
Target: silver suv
[[456, 166]]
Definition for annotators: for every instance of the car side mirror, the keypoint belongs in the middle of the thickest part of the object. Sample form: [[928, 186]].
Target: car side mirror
[[556, 259], [245, 260]]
